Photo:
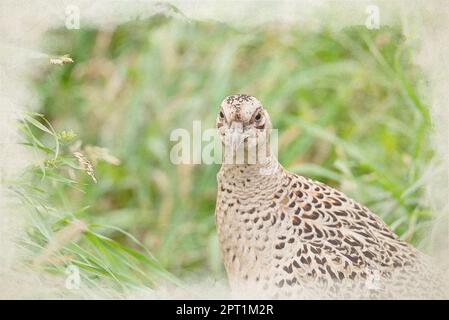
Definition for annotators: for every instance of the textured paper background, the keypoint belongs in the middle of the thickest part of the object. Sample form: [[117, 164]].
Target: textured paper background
[[23, 23]]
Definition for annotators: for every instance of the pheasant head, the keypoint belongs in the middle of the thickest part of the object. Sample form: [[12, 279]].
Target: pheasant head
[[244, 127]]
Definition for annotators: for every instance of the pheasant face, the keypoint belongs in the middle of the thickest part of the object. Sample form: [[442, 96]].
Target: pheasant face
[[285, 235], [243, 124]]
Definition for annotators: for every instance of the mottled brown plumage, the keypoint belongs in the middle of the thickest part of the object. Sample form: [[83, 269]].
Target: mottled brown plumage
[[284, 235]]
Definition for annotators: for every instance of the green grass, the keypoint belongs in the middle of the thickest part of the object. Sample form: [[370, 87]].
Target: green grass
[[347, 105], [53, 239]]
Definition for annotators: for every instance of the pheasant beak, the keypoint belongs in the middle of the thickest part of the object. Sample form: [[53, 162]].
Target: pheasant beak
[[237, 136]]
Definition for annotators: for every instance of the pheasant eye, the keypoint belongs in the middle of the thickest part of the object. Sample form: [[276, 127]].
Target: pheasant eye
[[221, 115], [258, 117]]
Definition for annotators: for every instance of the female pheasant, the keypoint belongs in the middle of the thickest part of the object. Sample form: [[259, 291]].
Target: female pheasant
[[284, 235]]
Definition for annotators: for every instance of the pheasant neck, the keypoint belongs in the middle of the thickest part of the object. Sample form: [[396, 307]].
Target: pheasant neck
[[253, 175]]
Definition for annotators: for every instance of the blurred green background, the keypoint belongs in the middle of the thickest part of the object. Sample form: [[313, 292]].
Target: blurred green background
[[346, 103]]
